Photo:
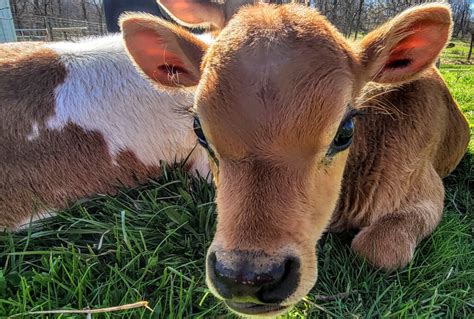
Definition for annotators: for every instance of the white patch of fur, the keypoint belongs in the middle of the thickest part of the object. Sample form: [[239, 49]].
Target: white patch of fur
[[103, 92], [34, 132]]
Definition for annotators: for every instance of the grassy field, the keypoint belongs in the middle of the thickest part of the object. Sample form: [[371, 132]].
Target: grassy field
[[458, 53], [149, 244]]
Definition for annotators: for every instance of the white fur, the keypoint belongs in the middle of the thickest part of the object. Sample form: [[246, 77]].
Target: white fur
[[103, 92], [34, 132]]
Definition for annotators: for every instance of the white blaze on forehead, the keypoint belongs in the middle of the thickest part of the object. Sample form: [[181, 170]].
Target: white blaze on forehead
[[103, 92]]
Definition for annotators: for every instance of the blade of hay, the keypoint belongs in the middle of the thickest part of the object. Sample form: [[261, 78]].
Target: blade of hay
[[140, 304]]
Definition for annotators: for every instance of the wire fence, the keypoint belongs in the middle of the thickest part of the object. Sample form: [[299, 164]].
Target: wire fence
[[42, 28]]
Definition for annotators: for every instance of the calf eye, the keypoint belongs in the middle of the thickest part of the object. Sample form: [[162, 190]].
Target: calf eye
[[202, 140], [199, 133], [344, 134], [343, 137]]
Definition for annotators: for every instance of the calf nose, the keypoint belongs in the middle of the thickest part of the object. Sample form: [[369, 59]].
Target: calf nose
[[245, 279]]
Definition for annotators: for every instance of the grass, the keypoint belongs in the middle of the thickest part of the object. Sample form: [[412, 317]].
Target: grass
[[458, 53], [149, 243]]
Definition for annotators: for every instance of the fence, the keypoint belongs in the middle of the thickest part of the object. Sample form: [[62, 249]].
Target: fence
[[40, 28]]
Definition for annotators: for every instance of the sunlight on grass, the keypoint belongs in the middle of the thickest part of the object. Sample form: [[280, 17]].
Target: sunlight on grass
[[458, 53]]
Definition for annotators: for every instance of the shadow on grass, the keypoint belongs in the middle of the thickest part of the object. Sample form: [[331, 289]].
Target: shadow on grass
[[459, 187]]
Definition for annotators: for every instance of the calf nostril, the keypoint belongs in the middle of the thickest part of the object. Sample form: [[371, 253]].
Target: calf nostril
[[242, 281], [234, 282], [292, 265], [211, 260], [287, 282]]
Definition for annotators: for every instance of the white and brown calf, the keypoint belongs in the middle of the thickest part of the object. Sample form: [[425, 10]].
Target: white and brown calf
[[278, 96], [78, 119]]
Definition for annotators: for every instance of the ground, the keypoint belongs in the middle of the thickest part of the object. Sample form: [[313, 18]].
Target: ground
[[149, 243]]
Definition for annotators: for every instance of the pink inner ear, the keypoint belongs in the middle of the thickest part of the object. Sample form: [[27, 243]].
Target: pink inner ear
[[151, 54], [184, 10], [416, 51]]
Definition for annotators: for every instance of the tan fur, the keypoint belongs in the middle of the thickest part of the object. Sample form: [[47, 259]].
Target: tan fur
[[274, 88]]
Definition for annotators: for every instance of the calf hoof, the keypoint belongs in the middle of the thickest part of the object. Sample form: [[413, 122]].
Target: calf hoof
[[383, 247]]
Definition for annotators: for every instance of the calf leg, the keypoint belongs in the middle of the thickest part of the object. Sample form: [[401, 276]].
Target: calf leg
[[390, 240]]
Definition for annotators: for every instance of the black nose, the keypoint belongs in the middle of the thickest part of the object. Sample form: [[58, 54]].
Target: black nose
[[246, 276]]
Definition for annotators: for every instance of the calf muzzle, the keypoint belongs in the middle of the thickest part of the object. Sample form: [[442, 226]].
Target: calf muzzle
[[253, 282]]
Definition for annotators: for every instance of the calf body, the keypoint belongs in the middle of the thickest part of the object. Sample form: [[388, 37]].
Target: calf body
[[78, 119], [410, 137], [308, 132]]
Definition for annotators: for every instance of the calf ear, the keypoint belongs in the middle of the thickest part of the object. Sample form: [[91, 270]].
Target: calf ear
[[195, 13], [407, 45], [167, 54], [203, 13]]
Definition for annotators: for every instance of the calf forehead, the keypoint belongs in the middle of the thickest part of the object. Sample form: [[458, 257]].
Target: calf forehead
[[274, 70]]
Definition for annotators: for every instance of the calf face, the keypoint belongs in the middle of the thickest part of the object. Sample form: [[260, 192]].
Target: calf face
[[275, 108]]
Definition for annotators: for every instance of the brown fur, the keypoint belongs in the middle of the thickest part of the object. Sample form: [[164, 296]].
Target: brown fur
[[29, 75], [400, 119], [58, 167], [273, 91]]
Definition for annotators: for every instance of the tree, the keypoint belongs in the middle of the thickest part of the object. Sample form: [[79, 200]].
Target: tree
[[99, 8], [359, 13], [471, 25], [84, 9], [461, 13]]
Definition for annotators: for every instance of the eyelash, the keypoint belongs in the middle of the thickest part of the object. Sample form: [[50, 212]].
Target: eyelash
[[202, 139]]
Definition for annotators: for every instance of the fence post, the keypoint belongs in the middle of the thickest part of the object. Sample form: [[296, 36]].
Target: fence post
[[49, 29]]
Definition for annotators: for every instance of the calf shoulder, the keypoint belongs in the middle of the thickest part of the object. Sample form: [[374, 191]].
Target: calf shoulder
[[406, 129]]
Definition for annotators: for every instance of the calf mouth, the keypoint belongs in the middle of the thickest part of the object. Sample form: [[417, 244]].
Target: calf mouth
[[249, 308]]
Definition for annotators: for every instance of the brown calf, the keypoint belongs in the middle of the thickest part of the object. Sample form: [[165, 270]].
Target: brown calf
[[278, 98]]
